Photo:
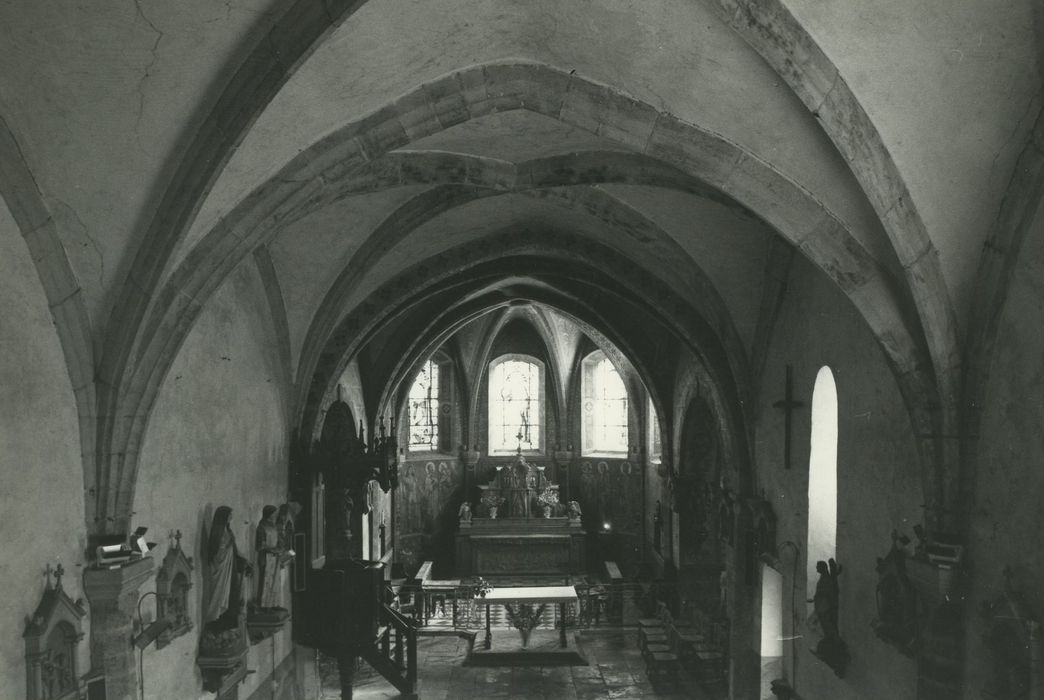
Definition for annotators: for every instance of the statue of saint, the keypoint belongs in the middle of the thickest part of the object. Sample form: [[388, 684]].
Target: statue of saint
[[347, 505], [826, 599], [574, 510], [831, 648], [519, 492], [464, 512], [225, 576], [267, 545]]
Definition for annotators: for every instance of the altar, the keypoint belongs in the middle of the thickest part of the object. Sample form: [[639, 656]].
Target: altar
[[523, 618], [523, 528], [510, 546]]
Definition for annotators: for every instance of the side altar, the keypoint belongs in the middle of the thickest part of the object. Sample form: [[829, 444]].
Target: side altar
[[523, 528]]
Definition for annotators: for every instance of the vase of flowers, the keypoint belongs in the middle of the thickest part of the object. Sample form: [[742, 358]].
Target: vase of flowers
[[548, 498], [524, 617], [480, 588], [492, 502]]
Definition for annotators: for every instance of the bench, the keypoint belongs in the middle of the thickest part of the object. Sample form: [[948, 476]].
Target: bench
[[700, 645], [649, 624], [705, 649]]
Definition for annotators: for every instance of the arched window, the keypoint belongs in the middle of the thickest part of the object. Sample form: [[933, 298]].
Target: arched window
[[604, 427], [424, 409], [516, 399], [822, 477]]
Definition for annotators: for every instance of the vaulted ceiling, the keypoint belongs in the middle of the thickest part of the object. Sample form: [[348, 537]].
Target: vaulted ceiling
[[352, 148]]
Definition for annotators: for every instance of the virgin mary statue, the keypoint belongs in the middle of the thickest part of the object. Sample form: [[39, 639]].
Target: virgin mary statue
[[225, 578]]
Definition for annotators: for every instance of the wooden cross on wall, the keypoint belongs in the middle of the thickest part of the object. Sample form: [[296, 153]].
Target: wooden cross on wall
[[788, 404]]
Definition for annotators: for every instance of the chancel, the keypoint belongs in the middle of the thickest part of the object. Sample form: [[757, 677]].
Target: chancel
[[534, 536], [681, 348]]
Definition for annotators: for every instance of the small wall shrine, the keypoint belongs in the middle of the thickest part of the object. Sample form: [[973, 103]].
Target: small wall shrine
[[1013, 639], [51, 636], [173, 583], [521, 526]]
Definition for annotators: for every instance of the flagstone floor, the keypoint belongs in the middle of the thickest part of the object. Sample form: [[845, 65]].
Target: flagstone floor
[[615, 671]]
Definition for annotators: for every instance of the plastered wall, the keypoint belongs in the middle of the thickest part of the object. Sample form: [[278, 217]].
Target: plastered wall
[[879, 486], [1007, 520], [217, 436], [41, 483]]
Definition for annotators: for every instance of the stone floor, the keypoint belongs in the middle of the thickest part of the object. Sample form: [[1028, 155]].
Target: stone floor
[[615, 671]]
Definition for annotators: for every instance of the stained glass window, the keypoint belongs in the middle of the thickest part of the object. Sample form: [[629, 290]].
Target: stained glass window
[[424, 409], [515, 402], [605, 407]]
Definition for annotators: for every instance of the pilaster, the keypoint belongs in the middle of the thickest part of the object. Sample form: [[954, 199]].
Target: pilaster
[[113, 595]]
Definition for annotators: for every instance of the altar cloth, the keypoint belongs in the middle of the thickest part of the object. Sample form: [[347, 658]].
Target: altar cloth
[[529, 594]]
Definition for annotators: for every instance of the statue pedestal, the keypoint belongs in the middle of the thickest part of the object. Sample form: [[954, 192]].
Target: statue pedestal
[[222, 657], [263, 623]]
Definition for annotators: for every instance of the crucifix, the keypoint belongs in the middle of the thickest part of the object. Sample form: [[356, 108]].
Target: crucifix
[[788, 404]]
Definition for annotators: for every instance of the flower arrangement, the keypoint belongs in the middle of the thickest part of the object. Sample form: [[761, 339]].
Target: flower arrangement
[[491, 499], [480, 588], [524, 617], [548, 497]]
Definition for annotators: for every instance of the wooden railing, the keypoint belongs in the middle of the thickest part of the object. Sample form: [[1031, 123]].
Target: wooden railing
[[394, 652]]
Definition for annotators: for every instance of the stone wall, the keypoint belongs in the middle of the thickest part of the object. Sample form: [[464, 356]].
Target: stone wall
[[42, 498], [1007, 520], [217, 436], [879, 487]]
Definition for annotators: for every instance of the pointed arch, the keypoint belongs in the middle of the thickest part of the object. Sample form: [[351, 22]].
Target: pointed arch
[[325, 170]]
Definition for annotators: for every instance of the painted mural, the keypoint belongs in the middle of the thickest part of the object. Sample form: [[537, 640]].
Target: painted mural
[[609, 492], [427, 499]]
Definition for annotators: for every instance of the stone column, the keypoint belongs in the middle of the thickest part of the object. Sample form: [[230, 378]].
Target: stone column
[[113, 595]]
